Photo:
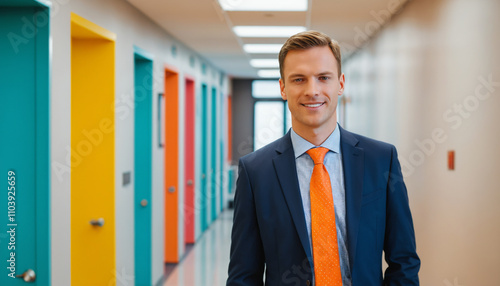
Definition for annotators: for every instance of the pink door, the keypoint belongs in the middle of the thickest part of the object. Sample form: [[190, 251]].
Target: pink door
[[189, 163]]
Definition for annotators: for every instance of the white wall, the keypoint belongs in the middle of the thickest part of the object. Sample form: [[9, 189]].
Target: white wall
[[407, 84], [132, 28]]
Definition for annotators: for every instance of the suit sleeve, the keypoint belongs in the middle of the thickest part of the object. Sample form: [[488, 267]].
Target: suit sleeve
[[246, 265], [399, 246]]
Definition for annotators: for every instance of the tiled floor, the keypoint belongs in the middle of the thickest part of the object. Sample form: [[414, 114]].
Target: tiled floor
[[206, 264]]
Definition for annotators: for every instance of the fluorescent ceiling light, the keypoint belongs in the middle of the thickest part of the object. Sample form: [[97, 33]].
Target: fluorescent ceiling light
[[264, 63], [267, 31], [269, 73], [264, 5], [262, 48]]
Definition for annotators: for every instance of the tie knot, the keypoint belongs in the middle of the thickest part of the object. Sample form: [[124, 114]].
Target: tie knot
[[317, 154]]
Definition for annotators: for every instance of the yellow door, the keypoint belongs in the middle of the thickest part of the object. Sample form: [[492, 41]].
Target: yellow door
[[92, 154]]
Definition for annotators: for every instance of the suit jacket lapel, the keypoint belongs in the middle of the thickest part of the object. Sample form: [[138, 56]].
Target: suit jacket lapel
[[353, 158], [284, 164]]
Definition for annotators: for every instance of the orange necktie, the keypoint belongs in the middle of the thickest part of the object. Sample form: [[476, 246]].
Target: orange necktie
[[323, 227]]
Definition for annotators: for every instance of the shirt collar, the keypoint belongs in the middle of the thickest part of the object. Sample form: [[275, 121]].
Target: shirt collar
[[301, 145]]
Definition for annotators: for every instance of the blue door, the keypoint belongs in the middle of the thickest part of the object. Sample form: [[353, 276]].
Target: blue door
[[204, 154], [221, 149], [143, 87], [24, 144], [213, 158]]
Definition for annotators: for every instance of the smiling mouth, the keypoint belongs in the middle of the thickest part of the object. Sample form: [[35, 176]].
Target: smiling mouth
[[313, 104]]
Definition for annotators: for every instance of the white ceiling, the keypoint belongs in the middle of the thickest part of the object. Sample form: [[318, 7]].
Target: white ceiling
[[207, 29]]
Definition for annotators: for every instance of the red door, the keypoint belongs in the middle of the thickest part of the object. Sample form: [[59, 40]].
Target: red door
[[189, 163]]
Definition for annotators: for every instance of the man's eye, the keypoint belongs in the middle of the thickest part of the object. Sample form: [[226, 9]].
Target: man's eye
[[324, 78], [297, 80]]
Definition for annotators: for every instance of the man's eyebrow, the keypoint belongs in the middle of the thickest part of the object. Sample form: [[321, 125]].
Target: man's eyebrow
[[295, 75], [326, 73]]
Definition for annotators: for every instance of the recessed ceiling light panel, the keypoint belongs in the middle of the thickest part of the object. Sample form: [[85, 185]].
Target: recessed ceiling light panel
[[264, 5], [264, 63], [267, 31], [262, 48], [269, 73]]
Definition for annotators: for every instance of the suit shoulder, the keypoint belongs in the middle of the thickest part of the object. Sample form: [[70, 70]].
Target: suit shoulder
[[372, 144], [261, 156]]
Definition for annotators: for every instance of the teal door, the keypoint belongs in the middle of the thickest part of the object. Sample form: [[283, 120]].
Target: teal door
[[204, 153], [24, 144], [221, 149], [143, 88], [213, 157]]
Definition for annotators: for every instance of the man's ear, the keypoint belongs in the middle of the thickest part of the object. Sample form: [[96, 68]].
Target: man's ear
[[342, 84], [282, 89]]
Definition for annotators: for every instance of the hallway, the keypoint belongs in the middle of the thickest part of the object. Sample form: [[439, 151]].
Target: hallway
[[122, 125], [206, 263]]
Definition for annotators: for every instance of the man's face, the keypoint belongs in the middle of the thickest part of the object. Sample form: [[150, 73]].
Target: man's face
[[312, 86]]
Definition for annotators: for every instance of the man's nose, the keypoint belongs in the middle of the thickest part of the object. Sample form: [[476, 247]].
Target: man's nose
[[312, 88]]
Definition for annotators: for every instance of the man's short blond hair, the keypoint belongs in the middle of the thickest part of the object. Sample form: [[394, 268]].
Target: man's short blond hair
[[306, 40]]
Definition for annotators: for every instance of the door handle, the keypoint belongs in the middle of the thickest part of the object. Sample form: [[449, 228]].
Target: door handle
[[189, 183], [28, 276], [171, 189], [144, 203], [97, 222]]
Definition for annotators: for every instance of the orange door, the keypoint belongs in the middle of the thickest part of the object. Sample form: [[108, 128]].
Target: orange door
[[171, 165]]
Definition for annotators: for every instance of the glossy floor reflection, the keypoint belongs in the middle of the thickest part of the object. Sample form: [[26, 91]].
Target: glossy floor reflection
[[206, 264]]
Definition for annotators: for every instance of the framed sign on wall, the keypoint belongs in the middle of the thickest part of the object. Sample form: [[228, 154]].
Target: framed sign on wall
[[161, 120]]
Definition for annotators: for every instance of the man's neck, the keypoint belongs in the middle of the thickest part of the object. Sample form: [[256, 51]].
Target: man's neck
[[316, 136]]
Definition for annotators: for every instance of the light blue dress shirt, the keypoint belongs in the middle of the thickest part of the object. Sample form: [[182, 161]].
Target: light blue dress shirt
[[333, 164]]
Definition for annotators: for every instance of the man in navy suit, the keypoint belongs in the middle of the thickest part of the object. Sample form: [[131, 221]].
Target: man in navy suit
[[272, 206]]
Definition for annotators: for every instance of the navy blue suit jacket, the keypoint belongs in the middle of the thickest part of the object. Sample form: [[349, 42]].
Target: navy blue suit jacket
[[269, 231]]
